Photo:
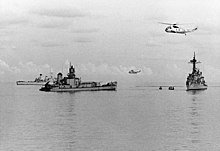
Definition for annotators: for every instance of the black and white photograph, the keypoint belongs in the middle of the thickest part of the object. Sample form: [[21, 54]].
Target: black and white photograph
[[109, 75]]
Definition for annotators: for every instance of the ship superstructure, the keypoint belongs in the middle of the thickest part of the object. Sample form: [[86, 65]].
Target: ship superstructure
[[195, 80]]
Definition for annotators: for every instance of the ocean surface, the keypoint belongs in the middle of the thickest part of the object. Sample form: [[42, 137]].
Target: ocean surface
[[133, 118]]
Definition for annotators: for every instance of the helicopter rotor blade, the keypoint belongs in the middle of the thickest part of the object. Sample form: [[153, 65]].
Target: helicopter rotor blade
[[174, 23], [165, 23]]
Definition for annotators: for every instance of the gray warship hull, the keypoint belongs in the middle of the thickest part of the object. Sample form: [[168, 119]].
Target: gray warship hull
[[30, 83], [68, 89], [196, 87]]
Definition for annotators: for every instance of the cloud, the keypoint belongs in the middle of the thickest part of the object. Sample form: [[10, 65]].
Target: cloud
[[83, 40], [51, 44], [106, 69], [62, 13], [147, 70], [48, 43], [92, 30], [153, 43], [30, 67], [4, 67], [22, 71], [12, 22], [54, 23], [6, 42], [211, 73]]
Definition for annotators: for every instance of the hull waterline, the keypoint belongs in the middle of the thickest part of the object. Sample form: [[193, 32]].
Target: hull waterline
[[196, 88], [57, 89]]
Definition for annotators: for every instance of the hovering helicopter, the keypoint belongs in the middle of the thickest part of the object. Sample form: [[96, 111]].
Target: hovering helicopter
[[134, 72], [173, 28]]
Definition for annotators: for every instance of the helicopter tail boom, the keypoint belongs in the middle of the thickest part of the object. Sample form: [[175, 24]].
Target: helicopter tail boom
[[192, 30]]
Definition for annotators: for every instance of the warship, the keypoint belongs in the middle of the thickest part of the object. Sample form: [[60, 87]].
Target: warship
[[71, 83], [195, 80], [37, 81]]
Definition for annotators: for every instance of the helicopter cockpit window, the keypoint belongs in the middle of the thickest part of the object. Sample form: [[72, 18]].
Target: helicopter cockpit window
[[175, 26]]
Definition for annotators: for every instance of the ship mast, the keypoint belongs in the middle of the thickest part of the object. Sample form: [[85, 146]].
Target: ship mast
[[194, 62]]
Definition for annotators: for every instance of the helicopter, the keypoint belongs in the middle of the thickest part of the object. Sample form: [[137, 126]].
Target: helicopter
[[174, 28], [134, 72]]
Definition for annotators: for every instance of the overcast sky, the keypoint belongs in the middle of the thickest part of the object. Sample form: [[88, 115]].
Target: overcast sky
[[104, 39]]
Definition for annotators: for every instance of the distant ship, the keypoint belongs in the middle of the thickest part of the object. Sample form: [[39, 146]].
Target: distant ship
[[195, 80], [37, 81], [71, 84]]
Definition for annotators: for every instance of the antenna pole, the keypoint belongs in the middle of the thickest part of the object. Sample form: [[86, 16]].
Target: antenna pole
[[194, 62]]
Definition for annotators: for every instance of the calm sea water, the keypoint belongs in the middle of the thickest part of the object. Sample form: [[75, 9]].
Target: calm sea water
[[129, 119]]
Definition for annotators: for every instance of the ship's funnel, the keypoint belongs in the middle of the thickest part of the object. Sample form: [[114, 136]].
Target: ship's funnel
[[59, 78]]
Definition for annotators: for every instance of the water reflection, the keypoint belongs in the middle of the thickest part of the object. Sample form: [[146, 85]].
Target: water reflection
[[128, 120], [195, 121], [195, 92], [67, 123]]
